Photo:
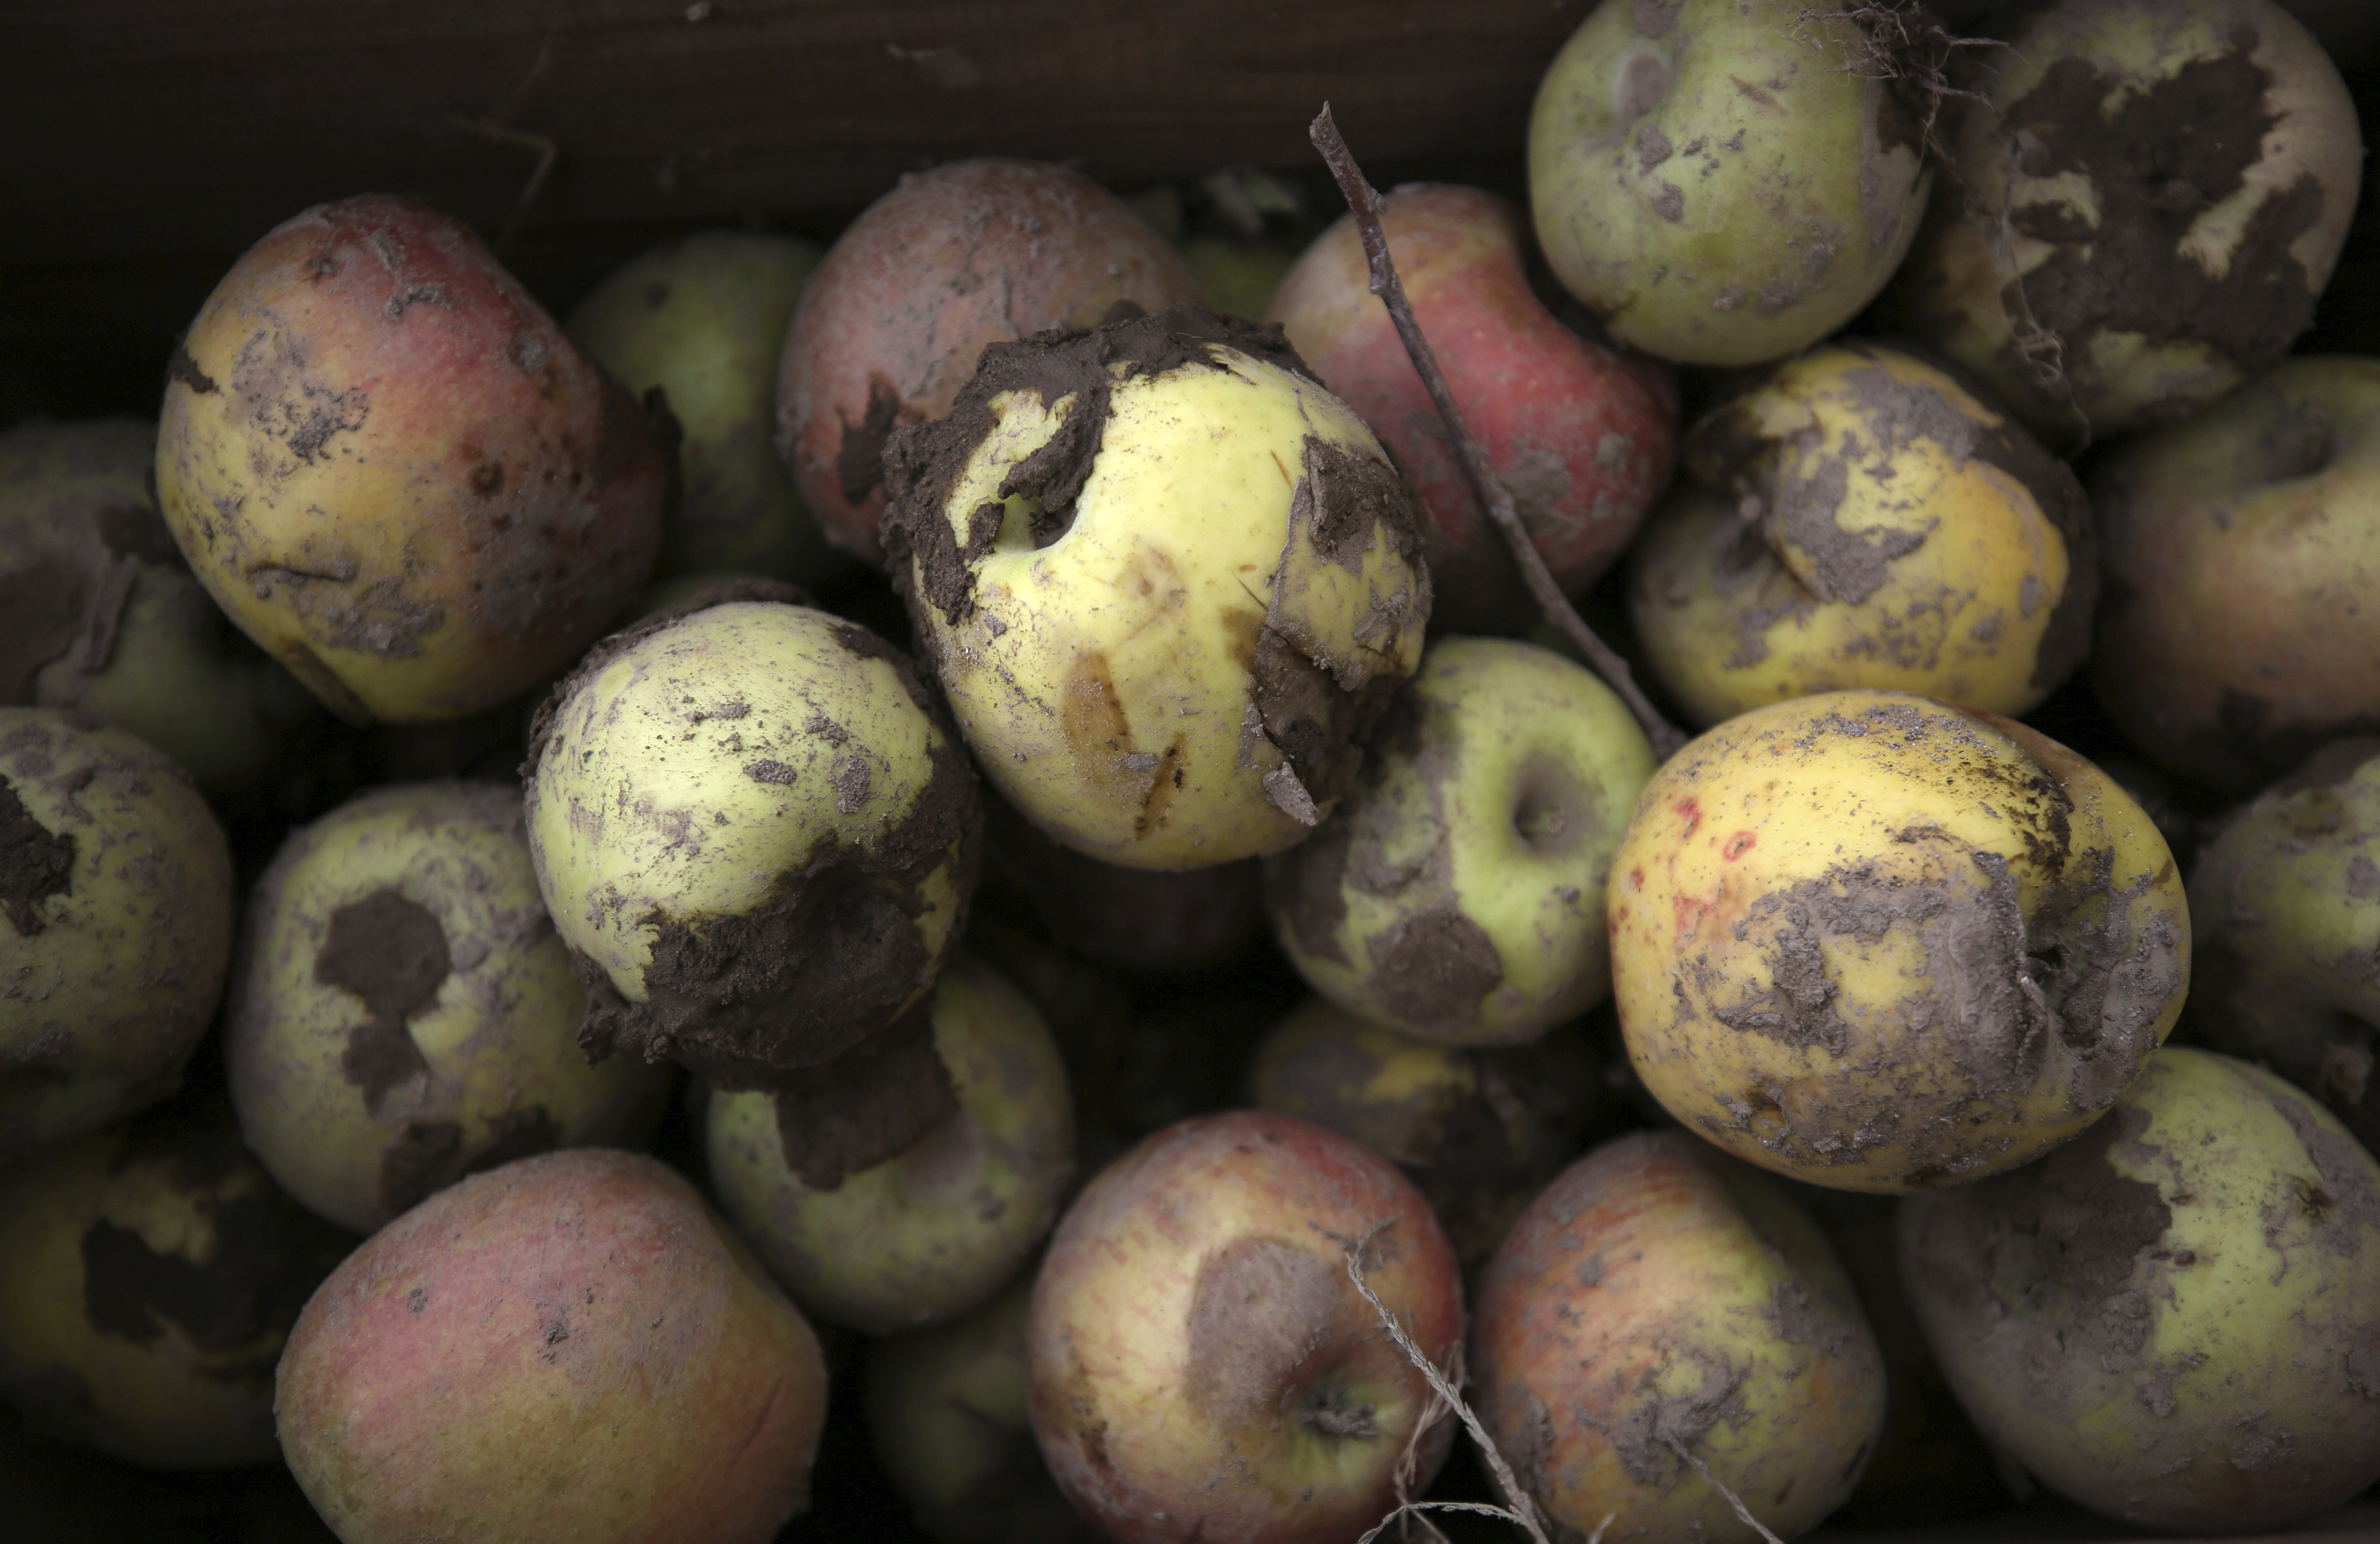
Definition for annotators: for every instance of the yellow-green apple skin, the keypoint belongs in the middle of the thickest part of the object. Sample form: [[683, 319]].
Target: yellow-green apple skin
[[154, 1272], [1724, 181], [1457, 896], [103, 617], [395, 473], [1480, 1131], [2142, 213], [948, 1415], [1168, 583], [2172, 1320], [1880, 943], [402, 1013], [704, 319], [928, 1234], [1857, 517], [2242, 549], [116, 925], [2285, 909], [570, 1349], [953, 260], [1662, 1305], [755, 834], [1200, 1362]]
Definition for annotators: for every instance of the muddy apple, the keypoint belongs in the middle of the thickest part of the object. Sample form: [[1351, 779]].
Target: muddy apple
[[389, 465], [890, 324], [2171, 1320], [1879, 943], [1859, 518], [1581, 436], [2141, 213], [2241, 550], [1202, 1366], [571, 1348], [1661, 1305]]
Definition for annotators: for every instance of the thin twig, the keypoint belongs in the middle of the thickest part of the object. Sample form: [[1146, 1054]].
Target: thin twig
[[548, 152], [1523, 1511], [1720, 1486], [1363, 200]]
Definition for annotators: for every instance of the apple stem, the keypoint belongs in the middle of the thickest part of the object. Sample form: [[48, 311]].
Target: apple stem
[[1523, 1510], [1363, 202]]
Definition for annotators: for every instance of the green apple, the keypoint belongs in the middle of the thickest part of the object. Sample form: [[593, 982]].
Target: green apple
[[2171, 1320], [1457, 896], [2285, 902], [1724, 181], [116, 925], [2141, 213], [704, 319], [929, 1233]]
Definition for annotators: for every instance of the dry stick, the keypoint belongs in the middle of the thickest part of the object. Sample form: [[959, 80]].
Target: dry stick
[[1523, 1510], [548, 152], [1720, 1486], [1363, 200]]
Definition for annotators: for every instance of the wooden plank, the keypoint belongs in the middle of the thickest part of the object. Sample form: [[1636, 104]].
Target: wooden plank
[[138, 127]]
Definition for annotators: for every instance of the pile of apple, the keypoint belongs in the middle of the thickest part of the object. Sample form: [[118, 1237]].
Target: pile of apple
[[902, 686]]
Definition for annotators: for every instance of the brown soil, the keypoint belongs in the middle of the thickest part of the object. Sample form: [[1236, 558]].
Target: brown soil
[[1432, 968], [392, 952], [868, 1104], [44, 603], [35, 864]]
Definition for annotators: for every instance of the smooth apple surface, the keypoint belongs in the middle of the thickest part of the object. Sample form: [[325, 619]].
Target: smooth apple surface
[[2242, 551], [1201, 1365], [1583, 437]]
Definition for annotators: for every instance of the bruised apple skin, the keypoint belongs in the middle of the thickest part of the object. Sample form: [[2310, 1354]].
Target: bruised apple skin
[[1200, 1365], [1880, 943], [1457, 895], [402, 1013], [116, 925], [889, 329], [571, 1349], [2242, 551], [1858, 517], [932, 1231], [494, 499], [2142, 213], [1661, 1304], [2285, 903], [154, 1272], [2171, 1320], [103, 617], [1169, 584], [1724, 181], [1581, 436]]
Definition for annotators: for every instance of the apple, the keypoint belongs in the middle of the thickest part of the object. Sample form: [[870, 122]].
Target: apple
[[889, 328], [2241, 550], [1859, 518], [931, 1231], [1880, 943], [1201, 1367], [1456, 896], [2171, 1318], [1582, 436], [1723, 182], [1168, 583], [116, 925], [2141, 211], [570, 1349], [394, 472], [703, 318], [1659, 1306], [402, 1013], [2285, 902]]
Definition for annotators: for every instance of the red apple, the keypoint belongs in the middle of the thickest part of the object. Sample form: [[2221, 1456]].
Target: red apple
[[1582, 436], [891, 324], [1201, 1366]]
